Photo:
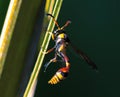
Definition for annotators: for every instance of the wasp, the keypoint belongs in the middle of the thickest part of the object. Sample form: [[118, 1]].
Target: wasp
[[62, 41]]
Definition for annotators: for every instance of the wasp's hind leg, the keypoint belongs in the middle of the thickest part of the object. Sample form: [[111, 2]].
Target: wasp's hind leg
[[48, 63]]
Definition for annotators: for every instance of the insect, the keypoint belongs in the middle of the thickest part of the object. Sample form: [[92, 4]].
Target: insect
[[62, 41]]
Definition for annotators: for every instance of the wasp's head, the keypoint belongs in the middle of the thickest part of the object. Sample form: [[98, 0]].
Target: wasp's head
[[58, 31]]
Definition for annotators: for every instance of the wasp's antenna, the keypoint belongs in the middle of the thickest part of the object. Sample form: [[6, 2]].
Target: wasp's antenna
[[54, 20], [66, 24]]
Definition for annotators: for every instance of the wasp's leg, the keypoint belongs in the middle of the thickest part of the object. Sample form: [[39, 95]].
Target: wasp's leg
[[48, 63], [60, 75]]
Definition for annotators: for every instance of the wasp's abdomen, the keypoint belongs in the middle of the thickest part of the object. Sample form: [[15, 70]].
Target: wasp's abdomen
[[60, 75]]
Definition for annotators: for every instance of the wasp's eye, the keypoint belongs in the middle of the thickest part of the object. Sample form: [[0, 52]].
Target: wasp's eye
[[55, 32]]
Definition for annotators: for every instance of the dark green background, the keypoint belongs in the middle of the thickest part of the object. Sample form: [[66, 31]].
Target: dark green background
[[95, 29], [3, 10]]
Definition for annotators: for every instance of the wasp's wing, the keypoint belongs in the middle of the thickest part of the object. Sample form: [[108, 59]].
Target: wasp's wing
[[85, 57]]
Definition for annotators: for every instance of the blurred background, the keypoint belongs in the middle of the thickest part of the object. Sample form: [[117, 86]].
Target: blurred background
[[95, 29]]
